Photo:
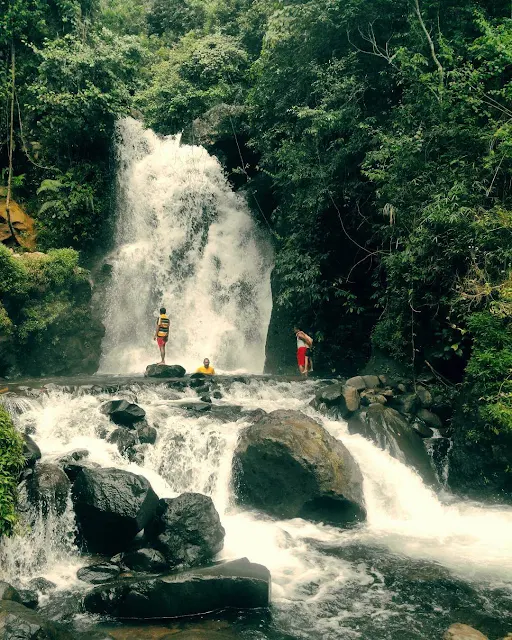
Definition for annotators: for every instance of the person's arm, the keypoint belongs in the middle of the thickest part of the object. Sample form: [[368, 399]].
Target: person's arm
[[308, 339], [156, 329]]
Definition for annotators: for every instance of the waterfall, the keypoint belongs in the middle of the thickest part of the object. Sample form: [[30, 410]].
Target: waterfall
[[185, 241]]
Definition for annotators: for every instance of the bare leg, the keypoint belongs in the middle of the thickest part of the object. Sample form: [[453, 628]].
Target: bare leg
[[162, 354]]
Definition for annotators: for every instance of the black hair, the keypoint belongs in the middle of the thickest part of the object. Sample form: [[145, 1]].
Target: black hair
[[162, 310]]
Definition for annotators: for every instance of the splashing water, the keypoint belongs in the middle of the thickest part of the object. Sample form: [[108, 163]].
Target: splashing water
[[404, 574], [184, 241]]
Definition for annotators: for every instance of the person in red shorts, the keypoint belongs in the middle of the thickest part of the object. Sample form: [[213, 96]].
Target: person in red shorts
[[162, 333], [304, 342]]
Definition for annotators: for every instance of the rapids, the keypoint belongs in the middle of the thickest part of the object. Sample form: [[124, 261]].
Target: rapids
[[420, 562]]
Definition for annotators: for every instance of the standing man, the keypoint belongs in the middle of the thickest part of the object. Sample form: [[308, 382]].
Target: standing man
[[206, 369], [304, 342], [162, 333]]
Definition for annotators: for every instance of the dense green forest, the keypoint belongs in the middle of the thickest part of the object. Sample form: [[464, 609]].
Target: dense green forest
[[373, 139]]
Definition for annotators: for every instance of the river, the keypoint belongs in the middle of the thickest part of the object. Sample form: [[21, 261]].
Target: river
[[418, 563]]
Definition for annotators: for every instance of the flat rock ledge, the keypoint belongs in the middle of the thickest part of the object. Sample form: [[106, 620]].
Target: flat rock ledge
[[237, 584]]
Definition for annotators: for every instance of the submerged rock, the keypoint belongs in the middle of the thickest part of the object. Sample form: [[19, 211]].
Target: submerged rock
[[122, 412], [98, 573], [31, 452], [124, 439], [43, 585], [111, 507], [238, 584], [460, 631], [29, 598], [286, 461], [147, 434], [164, 371], [391, 431], [8, 592], [20, 623], [186, 530]]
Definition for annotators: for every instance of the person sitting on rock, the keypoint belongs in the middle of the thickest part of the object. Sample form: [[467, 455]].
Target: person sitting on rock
[[162, 333], [206, 369], [304, 342]]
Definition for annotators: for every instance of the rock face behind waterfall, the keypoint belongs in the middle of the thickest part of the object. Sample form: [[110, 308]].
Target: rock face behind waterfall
[[391, 431], [186, 530], [238, 584], [111, 507], [286, 462]]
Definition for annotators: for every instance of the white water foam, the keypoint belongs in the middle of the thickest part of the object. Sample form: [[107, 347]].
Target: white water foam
[[406, 518], [184, 241]]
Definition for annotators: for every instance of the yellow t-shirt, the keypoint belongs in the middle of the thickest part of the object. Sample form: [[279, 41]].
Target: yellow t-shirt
[[210, 371]]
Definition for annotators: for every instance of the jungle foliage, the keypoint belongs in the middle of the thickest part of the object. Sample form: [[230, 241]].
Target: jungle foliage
[[11, 462]]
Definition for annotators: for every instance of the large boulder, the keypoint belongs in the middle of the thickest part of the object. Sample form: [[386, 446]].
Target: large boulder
[[286, 461], [125, 439], [111, 507], [337, 399], [460, 631], [391, 431], [164, 371], [20, 623], [237, 584], [123, 413], [47, 488], [98, 573], [186, 530]]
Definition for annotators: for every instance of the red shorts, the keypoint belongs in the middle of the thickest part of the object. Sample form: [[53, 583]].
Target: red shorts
[[161, 342], [301, 356]]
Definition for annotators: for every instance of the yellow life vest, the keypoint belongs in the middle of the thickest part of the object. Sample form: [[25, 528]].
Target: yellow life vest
[[163, 326]]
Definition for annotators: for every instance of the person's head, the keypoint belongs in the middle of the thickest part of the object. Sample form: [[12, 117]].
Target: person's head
[[295, 330], [206, 362], [162, 310]]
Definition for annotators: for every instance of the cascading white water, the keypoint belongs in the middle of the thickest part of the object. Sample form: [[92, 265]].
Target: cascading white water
[[184, 241], [320, 590]]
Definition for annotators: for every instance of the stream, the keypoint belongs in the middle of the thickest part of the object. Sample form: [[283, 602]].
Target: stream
[[418, 563]]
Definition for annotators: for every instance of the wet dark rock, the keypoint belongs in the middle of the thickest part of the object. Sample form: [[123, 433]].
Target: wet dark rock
[[8, 592], [72, 456], [31, 452], [164, 371], [124, 439], [286, 461], [48, 488], [146, 560], [186, 530], [406, 403], [42, 585], [123, 413], [421, 429], [205, 399], [195, 406], [238, 584], [217, 395], [111, 507], [253, 415], [99, 573], [391, 431], [204, 388], [20, 623], [226, 412], [147, 434], [424, 395], [72, 469], [430, 419], [29, 598]]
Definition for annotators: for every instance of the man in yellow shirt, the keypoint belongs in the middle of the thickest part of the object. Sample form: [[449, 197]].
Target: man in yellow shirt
[[206, 369]]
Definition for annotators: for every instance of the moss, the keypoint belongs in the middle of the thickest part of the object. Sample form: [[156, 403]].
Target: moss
[[11, 462]]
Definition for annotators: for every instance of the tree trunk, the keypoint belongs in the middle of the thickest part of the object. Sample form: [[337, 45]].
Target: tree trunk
[[11, 146]]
